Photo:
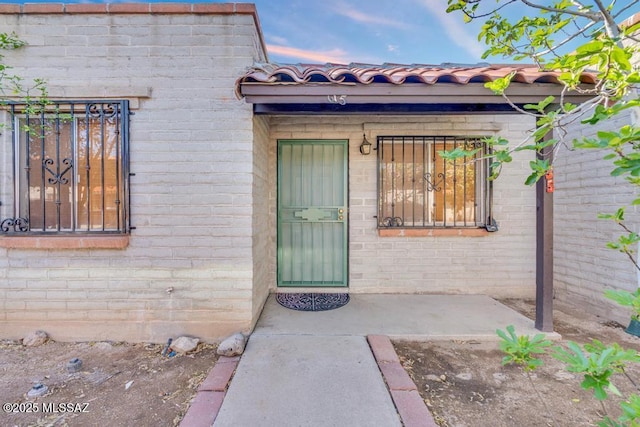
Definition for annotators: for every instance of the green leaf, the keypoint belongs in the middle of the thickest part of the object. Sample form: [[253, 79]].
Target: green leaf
[[539, 168], [498, 86], [532, 179], [591, 47], [598, 389], [613, 389], [540, 106], [458, 153], [630, 411], [539, 165], [621, 58], [454, 6], [532, 147], [521, 349], [503, 156]]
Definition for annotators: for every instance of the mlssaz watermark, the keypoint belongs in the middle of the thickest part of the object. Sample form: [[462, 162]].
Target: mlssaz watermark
[[45, 408]]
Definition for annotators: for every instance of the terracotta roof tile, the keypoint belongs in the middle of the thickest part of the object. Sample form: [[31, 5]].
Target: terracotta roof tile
[[398, 74]]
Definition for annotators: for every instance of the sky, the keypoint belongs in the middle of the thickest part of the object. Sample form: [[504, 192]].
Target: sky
[[367, 31], [361, 31]]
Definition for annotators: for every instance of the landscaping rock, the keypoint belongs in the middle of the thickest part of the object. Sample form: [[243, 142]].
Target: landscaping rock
[[35, 339], [38, 390], [184, 344], [232, 346], [74, 365]]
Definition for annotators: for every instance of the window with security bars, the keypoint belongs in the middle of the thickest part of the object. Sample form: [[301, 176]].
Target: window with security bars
[[70, 168], [417, 188]]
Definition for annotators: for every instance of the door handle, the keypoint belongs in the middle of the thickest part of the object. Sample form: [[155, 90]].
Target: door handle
[[312, 214]]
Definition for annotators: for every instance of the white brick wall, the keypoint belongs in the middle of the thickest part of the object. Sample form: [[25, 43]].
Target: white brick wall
[[584, 267], [500, 264], [264, 272], [192, 152]]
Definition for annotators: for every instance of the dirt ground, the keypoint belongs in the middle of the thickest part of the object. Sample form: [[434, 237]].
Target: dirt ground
[[464, 384], [118, 385]]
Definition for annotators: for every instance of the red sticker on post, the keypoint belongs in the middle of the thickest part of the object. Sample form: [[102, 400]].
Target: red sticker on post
[[549, 177]]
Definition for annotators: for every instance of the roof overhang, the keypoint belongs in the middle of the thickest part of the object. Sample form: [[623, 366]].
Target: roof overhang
[[396, 90], [387, 98]]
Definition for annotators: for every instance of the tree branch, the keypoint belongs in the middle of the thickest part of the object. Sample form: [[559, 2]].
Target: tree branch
[[624, 9], [567, 40], [609, 24], [484, 15], [590, 16]]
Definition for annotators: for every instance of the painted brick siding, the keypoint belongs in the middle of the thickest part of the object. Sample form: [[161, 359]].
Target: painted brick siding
[[583, 266], [264, 269], [189, 265], [499, 264]]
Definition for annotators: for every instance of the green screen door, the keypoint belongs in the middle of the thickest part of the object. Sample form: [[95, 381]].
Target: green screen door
[[312, 213]]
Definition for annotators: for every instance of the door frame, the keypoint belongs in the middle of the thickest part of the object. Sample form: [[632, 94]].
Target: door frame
[[345, 260]]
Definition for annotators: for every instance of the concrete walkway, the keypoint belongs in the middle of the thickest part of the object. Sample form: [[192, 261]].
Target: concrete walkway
[[409, 317], [286, 380], [317, 368]]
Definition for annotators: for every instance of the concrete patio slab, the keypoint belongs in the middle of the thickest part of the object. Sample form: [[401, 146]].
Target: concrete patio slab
[[411, 317], [317, 369], [293, 380]]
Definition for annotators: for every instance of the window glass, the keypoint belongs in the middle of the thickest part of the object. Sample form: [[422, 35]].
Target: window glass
[[71, 173], [47, 172], [418, 188], [98, 188]]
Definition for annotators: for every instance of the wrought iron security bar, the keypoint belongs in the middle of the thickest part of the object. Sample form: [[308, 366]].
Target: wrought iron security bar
[[418, 188], [70, 167]]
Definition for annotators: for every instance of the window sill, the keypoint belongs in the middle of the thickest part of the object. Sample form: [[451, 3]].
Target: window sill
[[64, 242], [432, 232]]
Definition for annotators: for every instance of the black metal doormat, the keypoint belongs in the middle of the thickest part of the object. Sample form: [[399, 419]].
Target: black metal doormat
[[311, 301]]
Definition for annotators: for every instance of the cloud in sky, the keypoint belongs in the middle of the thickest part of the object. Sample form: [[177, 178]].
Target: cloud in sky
[[345, 31], [455, 29], [278, 40], [333, 55], [365, 18]]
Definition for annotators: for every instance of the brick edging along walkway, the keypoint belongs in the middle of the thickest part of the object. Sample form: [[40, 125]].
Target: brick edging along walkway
[[410, 405], [206, 405], [404, 393]]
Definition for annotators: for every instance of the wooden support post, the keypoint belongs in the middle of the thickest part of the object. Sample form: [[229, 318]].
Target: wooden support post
[[544, 249]]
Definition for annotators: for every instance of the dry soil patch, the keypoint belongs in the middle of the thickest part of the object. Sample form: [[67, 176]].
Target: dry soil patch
[[464, 384], [119, 384]]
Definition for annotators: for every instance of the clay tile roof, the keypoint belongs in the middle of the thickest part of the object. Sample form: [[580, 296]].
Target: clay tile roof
[[397, 74]]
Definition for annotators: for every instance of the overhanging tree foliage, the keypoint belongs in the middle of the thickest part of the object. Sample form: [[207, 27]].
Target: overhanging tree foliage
[[572, 37], [33, 94]]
